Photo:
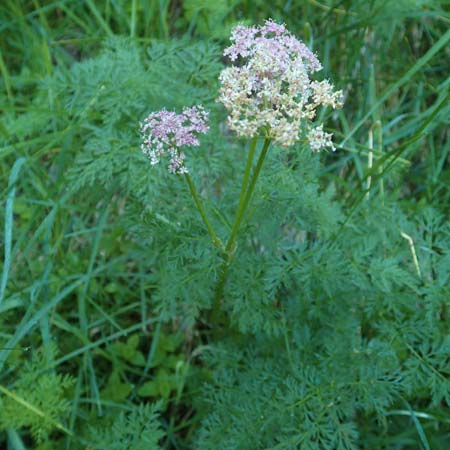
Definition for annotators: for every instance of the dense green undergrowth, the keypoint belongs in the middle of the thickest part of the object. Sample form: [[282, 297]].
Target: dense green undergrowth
[[336, 313]]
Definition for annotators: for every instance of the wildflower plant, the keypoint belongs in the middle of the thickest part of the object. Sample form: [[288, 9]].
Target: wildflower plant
[[269, 95], [298, 312]]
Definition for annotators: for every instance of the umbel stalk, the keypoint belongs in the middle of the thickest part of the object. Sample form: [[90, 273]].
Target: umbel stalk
[[231, 245]]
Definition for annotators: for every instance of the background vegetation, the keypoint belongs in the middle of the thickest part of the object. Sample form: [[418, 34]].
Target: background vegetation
[[339, 297]]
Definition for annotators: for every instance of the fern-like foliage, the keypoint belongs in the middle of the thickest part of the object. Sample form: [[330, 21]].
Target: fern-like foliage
[[355, 333], [37, 400], [136, 430], [116, 90]]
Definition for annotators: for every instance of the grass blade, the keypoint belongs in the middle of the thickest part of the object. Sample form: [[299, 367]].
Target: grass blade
[[441, 43], [9, 223]]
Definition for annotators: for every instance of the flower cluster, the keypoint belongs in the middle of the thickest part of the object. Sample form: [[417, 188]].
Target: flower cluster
[[270, 90], [318, 139], [165, 132]]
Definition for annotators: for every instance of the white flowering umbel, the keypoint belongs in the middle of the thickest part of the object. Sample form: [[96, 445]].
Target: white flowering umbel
[[270, 90]]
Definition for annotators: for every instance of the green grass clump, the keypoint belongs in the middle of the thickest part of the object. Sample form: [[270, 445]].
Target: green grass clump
[[335, 316]]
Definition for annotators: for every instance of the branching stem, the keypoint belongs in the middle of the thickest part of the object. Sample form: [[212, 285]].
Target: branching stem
[[217, 242], [230, 248]]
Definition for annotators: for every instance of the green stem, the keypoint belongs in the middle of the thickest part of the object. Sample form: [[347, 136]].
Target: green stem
[[34, 409], [211, 231], [240, 216], [243, 204], [242, 195]]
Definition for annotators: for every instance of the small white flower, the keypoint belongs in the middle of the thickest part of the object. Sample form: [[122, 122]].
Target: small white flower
[[319, 139]]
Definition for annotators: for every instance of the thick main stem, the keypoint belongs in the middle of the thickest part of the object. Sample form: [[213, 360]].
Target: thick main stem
[[246, 193], [210, 229], [248, 168]]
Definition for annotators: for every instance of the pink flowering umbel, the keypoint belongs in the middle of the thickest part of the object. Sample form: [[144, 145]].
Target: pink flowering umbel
[[270, 92], [165, 133]]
